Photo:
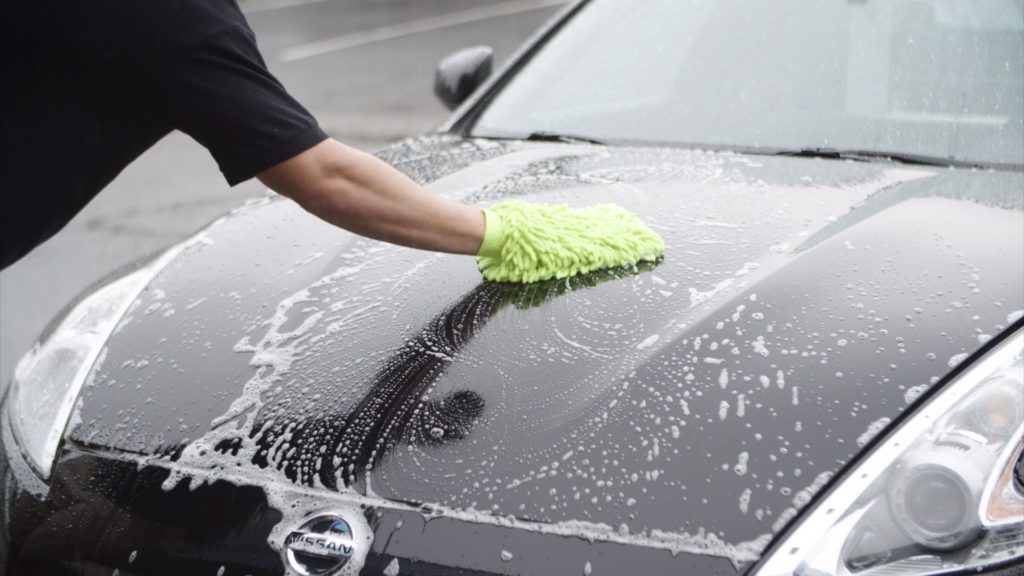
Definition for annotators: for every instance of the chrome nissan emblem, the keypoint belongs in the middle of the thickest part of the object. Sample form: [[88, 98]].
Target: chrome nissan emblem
[[323, 544]]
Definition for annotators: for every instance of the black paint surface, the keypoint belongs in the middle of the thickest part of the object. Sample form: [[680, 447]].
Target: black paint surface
[[552, 403]]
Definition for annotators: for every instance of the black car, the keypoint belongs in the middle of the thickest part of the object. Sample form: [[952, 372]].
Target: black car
[[822, 375]]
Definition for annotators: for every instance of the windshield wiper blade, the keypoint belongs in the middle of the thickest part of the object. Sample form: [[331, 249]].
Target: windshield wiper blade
[[812, 153], [542, 136], [872, 155]]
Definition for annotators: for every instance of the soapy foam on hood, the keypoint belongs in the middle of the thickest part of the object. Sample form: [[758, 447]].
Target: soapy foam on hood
[[273, 356]]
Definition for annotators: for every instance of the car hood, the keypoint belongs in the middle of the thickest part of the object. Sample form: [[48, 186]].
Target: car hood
[[800, 306]]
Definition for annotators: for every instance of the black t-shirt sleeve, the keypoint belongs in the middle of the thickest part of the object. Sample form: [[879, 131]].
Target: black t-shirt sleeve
[[218, 90]]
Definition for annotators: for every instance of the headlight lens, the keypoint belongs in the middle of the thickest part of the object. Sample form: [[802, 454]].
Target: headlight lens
[[48, 378], [937, 496]]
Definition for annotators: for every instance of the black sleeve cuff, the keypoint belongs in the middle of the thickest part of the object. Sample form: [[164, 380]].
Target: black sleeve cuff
[[252, 165]]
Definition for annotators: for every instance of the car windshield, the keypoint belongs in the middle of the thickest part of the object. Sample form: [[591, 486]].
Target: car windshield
[[941, 79]]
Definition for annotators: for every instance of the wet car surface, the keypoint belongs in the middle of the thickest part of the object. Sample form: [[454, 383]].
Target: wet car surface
[[468, 394], [676, 416], [729, 380]]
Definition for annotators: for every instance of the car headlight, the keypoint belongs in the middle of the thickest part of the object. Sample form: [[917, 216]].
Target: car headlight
[[48, 378], [939, 495]]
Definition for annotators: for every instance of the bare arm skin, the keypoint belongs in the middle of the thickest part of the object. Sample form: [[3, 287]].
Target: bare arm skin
[[365, 195]]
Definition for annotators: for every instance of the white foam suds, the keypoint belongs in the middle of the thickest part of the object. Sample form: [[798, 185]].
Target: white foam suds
[[312, 257], [195, 303], [957, 359], [914, 392], [697, 297], [713, 224], [649, 341], [759, 346], [586, 348], [747, 268], [741, 464], [873, 429], [745, 500], [800, 500]]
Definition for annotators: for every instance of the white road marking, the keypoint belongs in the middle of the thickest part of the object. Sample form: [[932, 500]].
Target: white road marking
[[428, 24], [255, 6]]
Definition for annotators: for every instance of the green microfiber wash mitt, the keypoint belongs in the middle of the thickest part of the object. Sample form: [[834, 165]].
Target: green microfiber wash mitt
[[527, 242]]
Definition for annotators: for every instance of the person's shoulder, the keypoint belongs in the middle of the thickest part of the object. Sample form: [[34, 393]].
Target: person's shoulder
[[179, 22], [207, 17]]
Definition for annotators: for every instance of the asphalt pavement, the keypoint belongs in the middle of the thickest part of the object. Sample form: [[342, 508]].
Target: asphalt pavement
[[363, 67]]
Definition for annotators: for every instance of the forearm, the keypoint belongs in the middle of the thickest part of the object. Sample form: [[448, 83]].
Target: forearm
[[364, 195]]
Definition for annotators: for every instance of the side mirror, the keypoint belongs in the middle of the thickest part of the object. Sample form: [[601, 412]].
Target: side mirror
[[460, 73]]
